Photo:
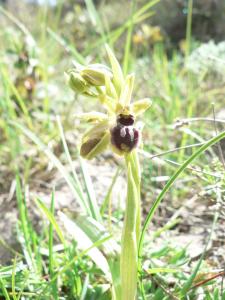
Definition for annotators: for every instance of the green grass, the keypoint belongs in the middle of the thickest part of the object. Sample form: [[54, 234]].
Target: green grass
[[75, 256]]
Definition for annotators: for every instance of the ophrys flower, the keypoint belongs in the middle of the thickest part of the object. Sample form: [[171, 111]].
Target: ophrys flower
[[116, 127]]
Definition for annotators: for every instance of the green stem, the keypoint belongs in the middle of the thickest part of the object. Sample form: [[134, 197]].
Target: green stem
[[137, 177], [131, 231]]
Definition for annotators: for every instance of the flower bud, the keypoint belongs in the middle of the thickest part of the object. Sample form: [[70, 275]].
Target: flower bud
[[95, 74], [76, 82]]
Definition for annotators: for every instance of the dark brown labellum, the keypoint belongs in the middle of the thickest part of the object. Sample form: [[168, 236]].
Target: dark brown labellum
[[124, 138]]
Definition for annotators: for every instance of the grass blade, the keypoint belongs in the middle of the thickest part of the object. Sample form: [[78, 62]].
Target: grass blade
[[67, 46], [114, 35], [24, 225], [19, 24], [56, 163], [171, 181], [90, 191], [51, 219], [13, 280], [96, 21], [95, 231], [84, 242], [187, 285], [4, 290], [51, 254], [12, 87], [126, 58], [69, 159], [109, 193], [146, 7]]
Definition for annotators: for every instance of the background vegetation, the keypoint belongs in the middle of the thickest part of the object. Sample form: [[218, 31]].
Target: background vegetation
[[177, 52]]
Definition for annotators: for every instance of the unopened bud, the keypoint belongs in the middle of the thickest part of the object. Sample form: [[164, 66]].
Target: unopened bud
[[76, 82], [95, 74]]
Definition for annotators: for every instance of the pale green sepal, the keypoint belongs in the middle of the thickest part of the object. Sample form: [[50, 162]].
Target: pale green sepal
[[95, 146], [118, 78], [110, 89], [92, 117], [108, 102], [140, 106], [100, 67], [96, 131], [127, 90]]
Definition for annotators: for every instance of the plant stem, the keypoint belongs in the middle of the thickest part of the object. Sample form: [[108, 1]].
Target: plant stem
[[131, 230], [137, 177]]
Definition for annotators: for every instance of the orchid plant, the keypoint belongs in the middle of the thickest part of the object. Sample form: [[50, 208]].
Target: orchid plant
[[115, 129]]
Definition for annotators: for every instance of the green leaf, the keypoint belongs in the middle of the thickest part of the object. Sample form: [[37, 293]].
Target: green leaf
[[84, 242], [94, 230]]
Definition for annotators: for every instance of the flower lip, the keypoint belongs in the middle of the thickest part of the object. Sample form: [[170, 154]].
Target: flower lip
[[125, 120], [124, 138]]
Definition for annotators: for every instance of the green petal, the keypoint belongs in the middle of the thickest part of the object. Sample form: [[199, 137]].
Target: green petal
[[110, 89], [140, 106], [108, 102]]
